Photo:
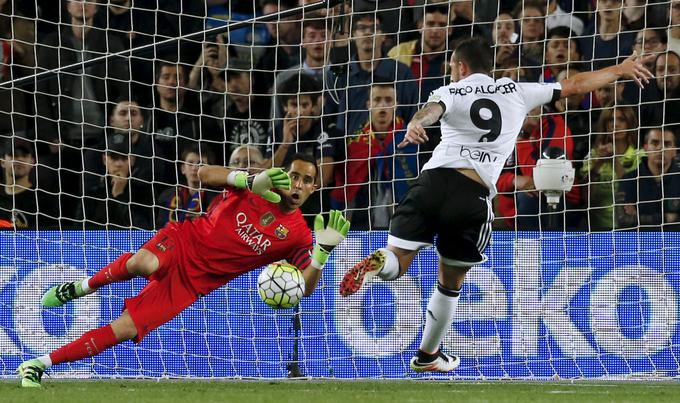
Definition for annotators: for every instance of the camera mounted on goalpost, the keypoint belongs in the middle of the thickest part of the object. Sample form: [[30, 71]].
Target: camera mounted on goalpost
[[553, 175]]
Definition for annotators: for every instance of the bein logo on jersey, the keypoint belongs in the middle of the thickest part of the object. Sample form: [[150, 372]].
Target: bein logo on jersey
[[251, 235], [477, 155]]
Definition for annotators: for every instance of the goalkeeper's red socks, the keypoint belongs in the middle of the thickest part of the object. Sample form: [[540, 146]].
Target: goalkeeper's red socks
[[88, 345], [112, 273]]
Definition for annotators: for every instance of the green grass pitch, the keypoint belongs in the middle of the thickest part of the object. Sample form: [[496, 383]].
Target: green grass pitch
[[203, 391]]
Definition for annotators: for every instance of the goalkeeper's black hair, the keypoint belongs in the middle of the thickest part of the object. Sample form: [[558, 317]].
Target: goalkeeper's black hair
[[476, 53], [305, 158]]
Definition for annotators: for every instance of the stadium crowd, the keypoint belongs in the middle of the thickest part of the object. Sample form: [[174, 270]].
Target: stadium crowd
[[118, 143]]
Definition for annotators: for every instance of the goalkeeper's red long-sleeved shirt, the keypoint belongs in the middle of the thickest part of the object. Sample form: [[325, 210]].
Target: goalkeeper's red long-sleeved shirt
[[241, 232]]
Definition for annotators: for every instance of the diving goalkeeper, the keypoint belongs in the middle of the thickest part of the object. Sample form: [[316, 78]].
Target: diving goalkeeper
[[256, 221]]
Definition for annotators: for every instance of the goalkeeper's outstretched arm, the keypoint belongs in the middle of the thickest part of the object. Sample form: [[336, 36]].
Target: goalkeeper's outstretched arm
[[214, 175], [261, 184]]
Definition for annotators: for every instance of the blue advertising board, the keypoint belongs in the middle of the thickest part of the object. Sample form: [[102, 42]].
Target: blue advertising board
[[544, 306]]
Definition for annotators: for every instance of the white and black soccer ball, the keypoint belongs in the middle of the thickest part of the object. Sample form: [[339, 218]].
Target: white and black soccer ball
[[281, 285]]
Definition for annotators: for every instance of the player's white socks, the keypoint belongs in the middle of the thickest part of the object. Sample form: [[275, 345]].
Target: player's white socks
[[439, 316], [45, 359], [85, 285], [391, 269]]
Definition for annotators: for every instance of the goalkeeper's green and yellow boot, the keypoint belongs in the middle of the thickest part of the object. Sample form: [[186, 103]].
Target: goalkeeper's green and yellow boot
[[31, 373], [361, 273], [63, 293]]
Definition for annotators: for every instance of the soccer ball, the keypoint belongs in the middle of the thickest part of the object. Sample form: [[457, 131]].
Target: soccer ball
[[281, 285]]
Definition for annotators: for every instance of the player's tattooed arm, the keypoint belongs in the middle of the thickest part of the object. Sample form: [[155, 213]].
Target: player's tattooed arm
[[585, 82], [415, 131]]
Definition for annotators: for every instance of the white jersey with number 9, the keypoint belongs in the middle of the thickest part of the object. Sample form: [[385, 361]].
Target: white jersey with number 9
[[481, 121]]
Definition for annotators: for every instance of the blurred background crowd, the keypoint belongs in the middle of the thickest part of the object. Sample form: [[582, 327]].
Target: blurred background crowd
[[116, 142]]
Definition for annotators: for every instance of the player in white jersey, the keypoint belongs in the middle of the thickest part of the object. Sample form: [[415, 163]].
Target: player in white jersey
[[480, 121]]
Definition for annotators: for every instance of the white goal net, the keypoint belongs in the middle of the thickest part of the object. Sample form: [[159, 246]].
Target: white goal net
[[107, 109]]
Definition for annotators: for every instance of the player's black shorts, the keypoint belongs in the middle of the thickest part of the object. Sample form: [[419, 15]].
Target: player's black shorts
[[446, 203]]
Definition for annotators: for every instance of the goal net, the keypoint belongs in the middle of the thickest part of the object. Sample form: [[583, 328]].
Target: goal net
[[107, 109]]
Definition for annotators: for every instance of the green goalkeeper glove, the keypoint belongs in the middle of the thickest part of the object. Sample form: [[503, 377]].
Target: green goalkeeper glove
[[328, 237], [261, 183]]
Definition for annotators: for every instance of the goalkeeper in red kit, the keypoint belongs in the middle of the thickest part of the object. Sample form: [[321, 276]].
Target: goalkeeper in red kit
[[256, 221]]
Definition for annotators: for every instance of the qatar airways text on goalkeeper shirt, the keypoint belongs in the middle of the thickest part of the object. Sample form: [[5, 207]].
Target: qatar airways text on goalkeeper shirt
[[482, 118], [241, 232]]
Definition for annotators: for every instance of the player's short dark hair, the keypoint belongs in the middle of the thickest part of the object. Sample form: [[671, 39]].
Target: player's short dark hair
[[476, 53], [204, 153], [561, 32], [299, 85], [302, 157], [437, 8], [356, 17], [165, 63], [382, 81], [315, 24], [235, 73], [663, 129]]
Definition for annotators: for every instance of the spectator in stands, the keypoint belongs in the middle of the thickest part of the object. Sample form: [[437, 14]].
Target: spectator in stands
[[608, 95], [349, 88], [247, 116], [516, 179], [614, 154], [176, 122], [23, 205], [283, 50], [557, 17], [76, 101], [119, 201], [134, 25], [531, 14], [641, 14], [314, 36], [510, 68], [577, 114], [660, 103], [70, 110], [551, 139], [187, 200], [561, 51], [126, 119], [504, 39], [607, 37], [465, 24], [650, 43], [375, 174], [674, 27], [17, 38], [426, 56], [649, 197], [304, 131], [247, 157], [208, 71]]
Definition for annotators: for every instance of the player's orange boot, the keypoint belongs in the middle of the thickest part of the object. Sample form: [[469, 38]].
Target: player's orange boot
[[361, 273]]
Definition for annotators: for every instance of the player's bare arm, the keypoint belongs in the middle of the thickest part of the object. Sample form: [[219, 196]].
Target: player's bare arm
[[272, 178], [583, 83], [415, 131]]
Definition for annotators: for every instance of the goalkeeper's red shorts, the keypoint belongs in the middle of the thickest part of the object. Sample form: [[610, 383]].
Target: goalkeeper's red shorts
[[169, 291]]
